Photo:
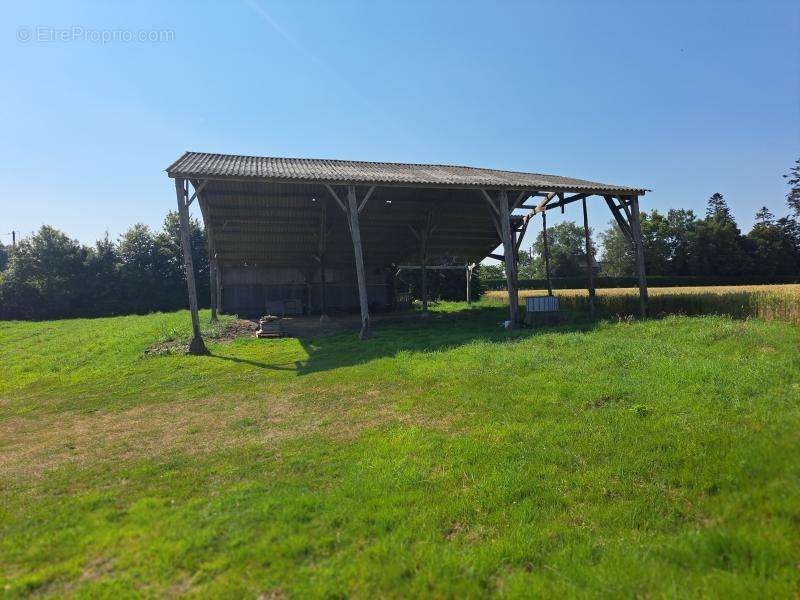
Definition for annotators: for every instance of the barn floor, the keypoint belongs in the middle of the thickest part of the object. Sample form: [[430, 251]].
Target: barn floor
[[311, 326]]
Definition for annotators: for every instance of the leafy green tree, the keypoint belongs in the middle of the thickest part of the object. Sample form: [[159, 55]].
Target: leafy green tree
[[103, 274], [46, 277], [619, 259], [717, 208], [492, 271], [793, 195], [567, 250], [168, 241], [716, 246], [3, 257], [529, 265], [666, 240], [141, 268], [774, 245]]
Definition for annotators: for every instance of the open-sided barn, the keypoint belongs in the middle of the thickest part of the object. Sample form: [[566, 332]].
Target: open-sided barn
[[305, 235]]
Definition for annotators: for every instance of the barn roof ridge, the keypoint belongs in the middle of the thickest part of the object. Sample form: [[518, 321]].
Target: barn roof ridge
[[211, 165]]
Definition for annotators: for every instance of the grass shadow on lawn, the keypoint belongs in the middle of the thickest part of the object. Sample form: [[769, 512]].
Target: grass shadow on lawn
[[442, 330]]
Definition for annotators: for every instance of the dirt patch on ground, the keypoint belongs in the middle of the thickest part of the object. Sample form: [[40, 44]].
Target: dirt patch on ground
[[233, 329], [33, 445]]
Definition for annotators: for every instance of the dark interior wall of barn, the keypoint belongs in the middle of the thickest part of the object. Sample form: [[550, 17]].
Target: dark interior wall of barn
[[255, 291], [271, 238]]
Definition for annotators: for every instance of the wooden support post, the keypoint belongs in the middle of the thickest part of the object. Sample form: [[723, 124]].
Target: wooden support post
[[636, 230], [589, 262], [323, 235], [196, 346], [423, 261], [509, 254], [546, 255], [218, 290], [212, 251], [424, 287], [361, 275], [212, 284], [469, 269]]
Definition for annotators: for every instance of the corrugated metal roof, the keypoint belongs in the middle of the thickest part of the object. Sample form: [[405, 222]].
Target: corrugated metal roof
[[204, 165]]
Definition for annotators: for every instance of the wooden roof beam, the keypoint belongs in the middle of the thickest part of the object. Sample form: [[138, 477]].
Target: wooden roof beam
[[563, 201]]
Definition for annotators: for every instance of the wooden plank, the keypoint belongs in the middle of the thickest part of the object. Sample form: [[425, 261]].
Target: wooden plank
[[196, 346]]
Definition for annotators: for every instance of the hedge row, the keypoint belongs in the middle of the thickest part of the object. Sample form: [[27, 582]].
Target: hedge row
[[621, 282]]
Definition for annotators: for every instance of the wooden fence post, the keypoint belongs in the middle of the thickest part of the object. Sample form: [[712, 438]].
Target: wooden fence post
[[196, 346]]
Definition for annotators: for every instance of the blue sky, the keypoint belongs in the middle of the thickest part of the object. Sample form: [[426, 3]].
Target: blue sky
[[684, 98]]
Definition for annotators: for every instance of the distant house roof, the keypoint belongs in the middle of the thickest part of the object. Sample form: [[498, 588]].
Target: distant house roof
[[199, 165]]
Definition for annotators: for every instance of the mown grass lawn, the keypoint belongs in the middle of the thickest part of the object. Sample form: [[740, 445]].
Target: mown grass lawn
[[443, 458]]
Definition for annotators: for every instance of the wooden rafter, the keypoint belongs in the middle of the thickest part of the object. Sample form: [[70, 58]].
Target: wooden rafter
[[366, 197], [619, 218], [336, 197], [543, 202], [197, 190]]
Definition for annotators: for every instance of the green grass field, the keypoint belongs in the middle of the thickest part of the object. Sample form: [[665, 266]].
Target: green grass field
[[444, 458]]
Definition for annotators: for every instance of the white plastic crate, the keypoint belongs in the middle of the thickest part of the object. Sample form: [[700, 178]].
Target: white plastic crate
[[541, 304]]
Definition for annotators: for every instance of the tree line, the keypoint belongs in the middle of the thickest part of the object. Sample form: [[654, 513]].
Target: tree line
[[48, 274], [677, 243]]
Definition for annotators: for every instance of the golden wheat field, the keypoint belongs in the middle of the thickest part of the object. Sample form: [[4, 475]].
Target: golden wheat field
[[769, 302]]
